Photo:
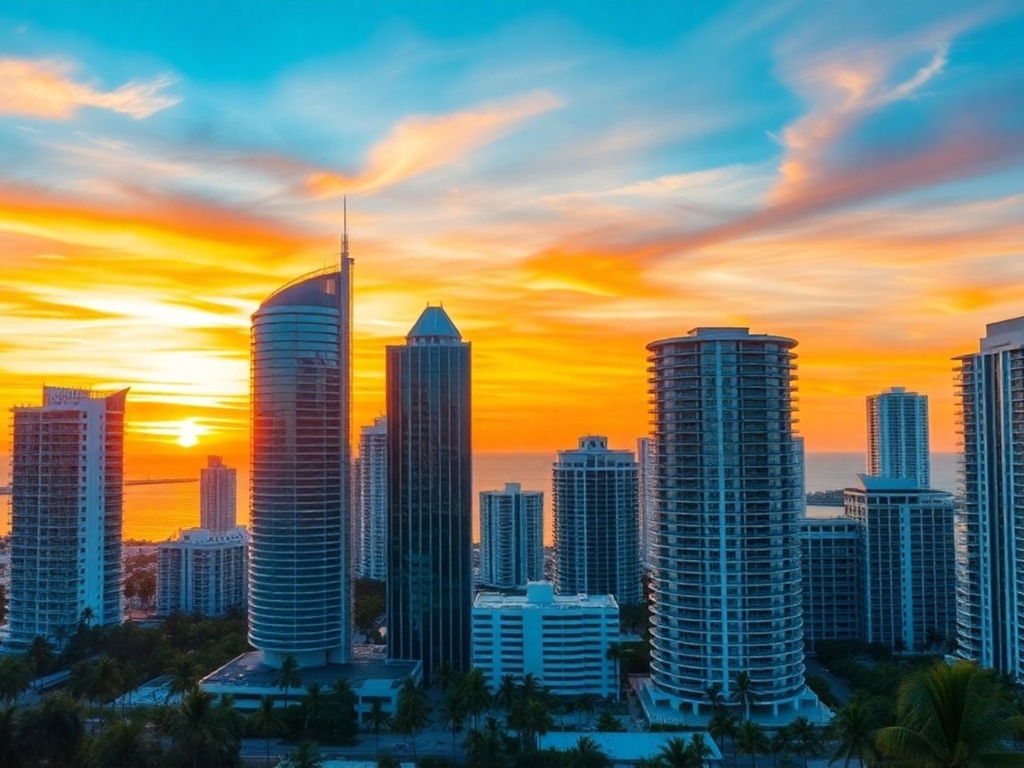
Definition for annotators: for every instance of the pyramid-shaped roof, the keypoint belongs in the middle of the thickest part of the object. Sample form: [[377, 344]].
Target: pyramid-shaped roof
[[434, 323]]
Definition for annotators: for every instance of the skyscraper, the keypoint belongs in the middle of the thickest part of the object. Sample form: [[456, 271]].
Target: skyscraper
[[217, 502], [202, 571], [831, 576], [299, 552], [373, 499], [726, 576], [898, 435], [906, 594], [645, 464], [430, 549], [511, 537], [990, 501], [594, 504], [67, 490]]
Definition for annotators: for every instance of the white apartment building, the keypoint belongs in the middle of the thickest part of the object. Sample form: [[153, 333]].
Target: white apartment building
[[990, 501], [906, 593], [372, 499], [595, 502], [67, 489], [898, 435], [218, 503], [202, 572], [726, 581], [562, 640], [511, 537]]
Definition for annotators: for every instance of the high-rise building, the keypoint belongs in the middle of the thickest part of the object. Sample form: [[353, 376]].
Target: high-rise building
[[906, 594], [67, 492], [990, 501], [898, 435], [726, 580], [299, 550], [562, 640], [202, 571], [217, 502], [596, 521], [831, 577], [511, 537], [645, 481], [372, 479], [800, 453], [430, 504]]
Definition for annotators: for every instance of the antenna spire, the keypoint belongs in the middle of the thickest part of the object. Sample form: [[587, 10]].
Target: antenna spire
[[344, 235]]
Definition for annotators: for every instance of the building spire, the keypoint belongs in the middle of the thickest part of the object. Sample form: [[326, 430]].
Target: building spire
[[344, 231]]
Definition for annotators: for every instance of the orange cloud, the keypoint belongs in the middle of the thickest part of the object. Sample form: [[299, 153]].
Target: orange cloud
[[421, 143], [45, 88]]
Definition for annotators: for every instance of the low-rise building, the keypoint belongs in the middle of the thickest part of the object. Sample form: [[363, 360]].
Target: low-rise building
[[202, 571], [562, 640]]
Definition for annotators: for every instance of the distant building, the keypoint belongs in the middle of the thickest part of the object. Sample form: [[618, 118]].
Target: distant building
[[907, 593], [511, 537], [300, 591], [800, 454], [645, 451], [67, 492], [595, 501], [831, 578], [726, 581], [217, 496], [430, 502], [203, 572], [898, 436], [372, 512], [562, 640], [990, 515]]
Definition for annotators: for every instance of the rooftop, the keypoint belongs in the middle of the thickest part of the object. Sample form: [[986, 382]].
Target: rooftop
[[873, 484], [541, 594], [623, 747], [434, 325], [369, 667]]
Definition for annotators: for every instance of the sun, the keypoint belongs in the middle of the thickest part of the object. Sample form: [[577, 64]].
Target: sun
[[188, 433]]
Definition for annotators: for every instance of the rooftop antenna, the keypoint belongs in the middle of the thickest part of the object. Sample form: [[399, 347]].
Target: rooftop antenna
[[344, 235]]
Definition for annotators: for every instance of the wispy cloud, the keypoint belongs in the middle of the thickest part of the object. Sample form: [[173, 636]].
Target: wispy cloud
[[46, 88], [421, 143]]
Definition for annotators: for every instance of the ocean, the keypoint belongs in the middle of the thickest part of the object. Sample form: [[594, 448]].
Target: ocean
[[157, 512]]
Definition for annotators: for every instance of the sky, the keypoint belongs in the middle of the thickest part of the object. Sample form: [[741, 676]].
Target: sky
[[571, 180]]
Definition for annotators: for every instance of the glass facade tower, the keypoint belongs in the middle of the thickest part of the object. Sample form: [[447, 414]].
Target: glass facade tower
[[300, 562], [429, 532], [726, 557]]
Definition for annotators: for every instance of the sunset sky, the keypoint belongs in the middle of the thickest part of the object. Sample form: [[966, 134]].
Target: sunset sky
[[571, 180]]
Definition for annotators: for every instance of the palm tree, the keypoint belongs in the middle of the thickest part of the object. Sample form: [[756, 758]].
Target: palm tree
[[715, 697], [345, 700], [85, 682], [131, 679], [952, 716], [108, 679], [305, 756], [184, 675], [743, 692], [780, 744], [674, 753], [586, 704], [853, 727], [200, 734], [806, 737], [722, 726], [506, 693], [15, 677], [314, 705], [751, 740], [377, 717], [412, 711], [55, 731], [455, 709], [609, 723], [615, 653], [40, 655], [699, 750], [529, 687], [587, 754], [11, 747], [445, 676], [536, 721], [475, 694], [266, 722], [288, 676], [126, 744]]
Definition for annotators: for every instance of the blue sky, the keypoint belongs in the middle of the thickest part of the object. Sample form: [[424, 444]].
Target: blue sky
[[573, 180]]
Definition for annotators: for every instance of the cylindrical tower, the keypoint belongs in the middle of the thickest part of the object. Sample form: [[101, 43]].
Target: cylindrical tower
[[726, 554], [299, 567]]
